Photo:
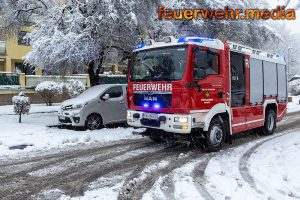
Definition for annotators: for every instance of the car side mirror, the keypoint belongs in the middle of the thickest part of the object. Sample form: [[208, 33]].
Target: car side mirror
[[105, 97]]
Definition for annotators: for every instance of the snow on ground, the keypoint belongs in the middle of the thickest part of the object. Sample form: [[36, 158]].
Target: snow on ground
[[224, 178], [33, 131], [275, 167], [294, 106]]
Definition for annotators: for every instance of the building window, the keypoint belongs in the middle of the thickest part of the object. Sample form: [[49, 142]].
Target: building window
[[27, 69], [22, 40]]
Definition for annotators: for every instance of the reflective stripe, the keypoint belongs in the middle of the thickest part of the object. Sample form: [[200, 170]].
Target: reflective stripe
[[199, 111], [249, 122]]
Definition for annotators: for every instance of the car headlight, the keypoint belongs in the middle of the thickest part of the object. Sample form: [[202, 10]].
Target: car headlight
[[181, 119], [79, 106]]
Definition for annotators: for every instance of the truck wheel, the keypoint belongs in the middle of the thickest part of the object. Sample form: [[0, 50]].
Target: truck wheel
[[94, 121], [157, 139], [270, 123], [215, 135], [153, 135]]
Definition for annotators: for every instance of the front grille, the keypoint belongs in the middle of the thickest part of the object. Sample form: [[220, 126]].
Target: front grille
[[150, 122], [66, 120], [164, 100]]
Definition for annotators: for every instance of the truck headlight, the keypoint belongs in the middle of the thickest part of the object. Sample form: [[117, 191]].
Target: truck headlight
[[181, 119], [129, 114]]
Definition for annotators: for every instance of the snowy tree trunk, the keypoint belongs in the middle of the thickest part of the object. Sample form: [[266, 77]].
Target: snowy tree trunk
[[93, 74], [20, 118]]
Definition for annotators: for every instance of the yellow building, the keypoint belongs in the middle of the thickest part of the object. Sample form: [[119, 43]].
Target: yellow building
[[11, 54]]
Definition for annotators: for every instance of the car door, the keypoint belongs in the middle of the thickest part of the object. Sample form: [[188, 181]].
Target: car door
[[123, 111], [113, 107]]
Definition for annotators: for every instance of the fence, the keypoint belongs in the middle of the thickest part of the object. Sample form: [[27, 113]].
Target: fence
[[34, 80], [112, 79], [31, 81], [9, 79]]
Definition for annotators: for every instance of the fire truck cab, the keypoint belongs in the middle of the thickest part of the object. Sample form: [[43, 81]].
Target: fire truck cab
[[202, 86]]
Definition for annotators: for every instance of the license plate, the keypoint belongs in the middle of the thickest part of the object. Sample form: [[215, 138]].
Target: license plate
[[150, 116], [62, 117]]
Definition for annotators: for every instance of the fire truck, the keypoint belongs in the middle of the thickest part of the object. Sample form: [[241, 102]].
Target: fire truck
[[198, 86]]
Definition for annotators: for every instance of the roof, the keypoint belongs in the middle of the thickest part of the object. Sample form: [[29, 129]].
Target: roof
[[255, 53], [171, 41], [211, 43]]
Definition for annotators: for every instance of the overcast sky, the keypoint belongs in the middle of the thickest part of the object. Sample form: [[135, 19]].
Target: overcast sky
[[294, 25]]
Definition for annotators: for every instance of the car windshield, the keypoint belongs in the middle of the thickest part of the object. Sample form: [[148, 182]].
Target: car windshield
[[165, 64], [91, 93]]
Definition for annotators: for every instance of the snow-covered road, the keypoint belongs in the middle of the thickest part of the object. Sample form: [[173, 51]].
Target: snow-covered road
[[113, 164]]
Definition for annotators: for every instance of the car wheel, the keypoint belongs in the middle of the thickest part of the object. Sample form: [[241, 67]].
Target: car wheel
[[270, 123], [94, 121], [215, 136]]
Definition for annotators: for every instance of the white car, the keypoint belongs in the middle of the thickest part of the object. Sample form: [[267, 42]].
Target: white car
[[95, 107]]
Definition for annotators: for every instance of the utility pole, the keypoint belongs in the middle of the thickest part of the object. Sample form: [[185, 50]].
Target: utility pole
[[288, 61]]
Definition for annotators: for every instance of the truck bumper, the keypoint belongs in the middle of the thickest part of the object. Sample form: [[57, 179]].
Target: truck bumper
[[173, 123]]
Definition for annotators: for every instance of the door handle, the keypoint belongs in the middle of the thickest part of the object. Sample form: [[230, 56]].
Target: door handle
[[121, 102]]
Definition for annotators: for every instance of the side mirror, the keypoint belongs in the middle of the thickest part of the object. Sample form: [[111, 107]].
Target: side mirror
[[105, 97]]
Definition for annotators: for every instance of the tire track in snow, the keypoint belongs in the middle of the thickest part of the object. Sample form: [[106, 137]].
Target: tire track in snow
[[200, 179], [25, 185], [135, 186], [244, 160], [73, 153], [21, 168], [75, 183]]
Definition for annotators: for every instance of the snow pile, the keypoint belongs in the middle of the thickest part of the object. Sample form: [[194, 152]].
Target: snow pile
[[294, 106], [72, 88], [21, 105], [294, 87], [48, 90]]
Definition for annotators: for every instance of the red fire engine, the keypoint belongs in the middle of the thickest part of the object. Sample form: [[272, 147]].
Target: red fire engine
[[205, 87]]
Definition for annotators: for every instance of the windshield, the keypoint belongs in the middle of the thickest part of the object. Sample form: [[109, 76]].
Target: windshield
[[166, 64], [91, 93]]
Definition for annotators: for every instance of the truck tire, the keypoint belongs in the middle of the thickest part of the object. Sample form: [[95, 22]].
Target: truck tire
[[215, 136], [154, 136], [94, 121], [157, 139], [270, 123]]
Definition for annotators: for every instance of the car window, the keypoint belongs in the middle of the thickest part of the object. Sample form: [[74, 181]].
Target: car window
[[114, 92]]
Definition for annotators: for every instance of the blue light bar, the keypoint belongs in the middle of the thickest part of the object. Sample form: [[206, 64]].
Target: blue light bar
[[145, 105], [194, 39], [139, 46], [156, 106]]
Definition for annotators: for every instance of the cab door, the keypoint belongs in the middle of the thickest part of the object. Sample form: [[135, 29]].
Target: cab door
[[238, 92], [206, 85]]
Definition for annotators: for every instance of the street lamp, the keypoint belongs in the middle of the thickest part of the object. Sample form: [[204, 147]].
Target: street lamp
[[288, 60]]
